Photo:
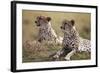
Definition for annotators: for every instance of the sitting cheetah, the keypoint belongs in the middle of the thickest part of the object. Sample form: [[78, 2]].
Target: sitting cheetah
[[72, 42], [46, 32]]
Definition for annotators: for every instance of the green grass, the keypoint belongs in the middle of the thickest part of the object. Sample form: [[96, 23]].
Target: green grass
[[30, 31]]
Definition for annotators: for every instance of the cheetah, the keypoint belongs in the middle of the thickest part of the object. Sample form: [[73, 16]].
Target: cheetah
[[72, 42], [46, 32]]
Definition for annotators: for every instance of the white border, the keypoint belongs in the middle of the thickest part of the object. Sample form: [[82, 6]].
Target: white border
[[36, 65]]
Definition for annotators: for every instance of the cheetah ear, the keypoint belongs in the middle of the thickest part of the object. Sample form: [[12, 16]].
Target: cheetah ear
[[73, 22], [48, 18]]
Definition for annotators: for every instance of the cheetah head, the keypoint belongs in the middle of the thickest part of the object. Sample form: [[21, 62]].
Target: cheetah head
[[67, 25], [42, 21]]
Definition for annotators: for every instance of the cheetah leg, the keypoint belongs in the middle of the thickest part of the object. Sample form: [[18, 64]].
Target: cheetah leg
[[69, 55], [57, 55]]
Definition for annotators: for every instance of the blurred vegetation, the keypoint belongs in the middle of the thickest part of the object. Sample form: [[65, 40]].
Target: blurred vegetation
[[30, 31]]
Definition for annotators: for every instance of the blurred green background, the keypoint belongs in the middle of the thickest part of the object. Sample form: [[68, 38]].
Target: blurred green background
[[30, 30]]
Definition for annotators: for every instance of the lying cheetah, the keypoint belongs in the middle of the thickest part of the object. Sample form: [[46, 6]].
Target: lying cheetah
[[46, 32], [72, 42]]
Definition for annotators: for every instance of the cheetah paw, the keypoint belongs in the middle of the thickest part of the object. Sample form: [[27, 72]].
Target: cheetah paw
[[67, 58]]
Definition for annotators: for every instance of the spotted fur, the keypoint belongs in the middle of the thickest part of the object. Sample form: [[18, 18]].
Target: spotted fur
[[72, 42], [84, 45], [46, 32]]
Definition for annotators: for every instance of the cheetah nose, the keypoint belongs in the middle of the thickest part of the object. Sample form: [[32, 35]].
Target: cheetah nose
[[35, 21], [61, 27]]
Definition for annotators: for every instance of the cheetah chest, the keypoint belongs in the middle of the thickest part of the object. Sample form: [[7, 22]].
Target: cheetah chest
[[45, 34], [71, 41]]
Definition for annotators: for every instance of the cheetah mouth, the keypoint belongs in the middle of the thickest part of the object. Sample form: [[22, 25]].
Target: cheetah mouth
[[38, 24], [64, 31], [62, 28]]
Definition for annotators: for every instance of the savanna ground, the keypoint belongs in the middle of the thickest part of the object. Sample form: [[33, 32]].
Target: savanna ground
[[34, 51]]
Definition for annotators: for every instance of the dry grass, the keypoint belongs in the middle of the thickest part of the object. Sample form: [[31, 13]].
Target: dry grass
[[36, 52]]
